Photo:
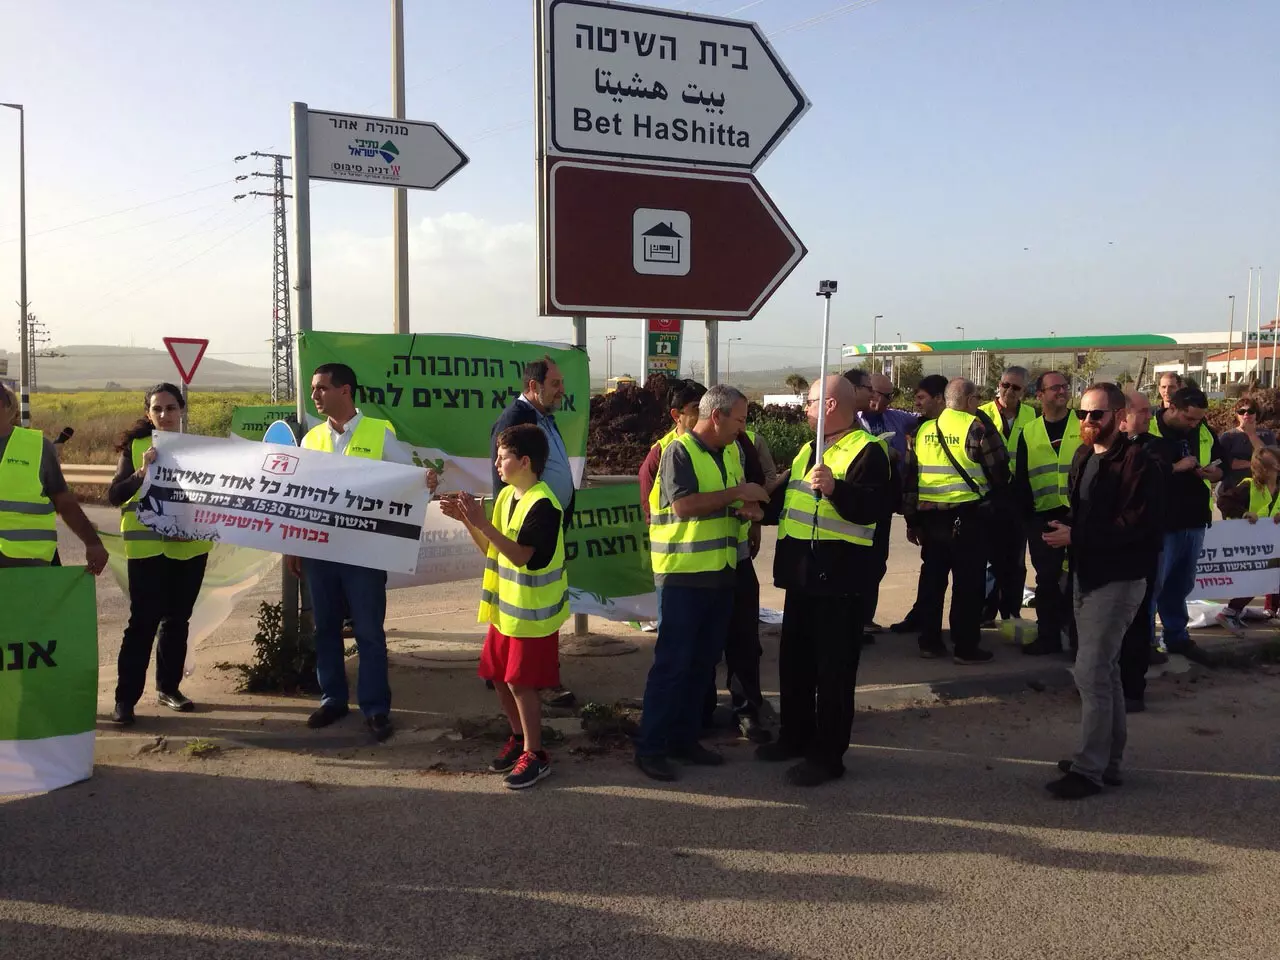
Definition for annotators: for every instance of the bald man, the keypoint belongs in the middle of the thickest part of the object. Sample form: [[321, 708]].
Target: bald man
[[825, 561]]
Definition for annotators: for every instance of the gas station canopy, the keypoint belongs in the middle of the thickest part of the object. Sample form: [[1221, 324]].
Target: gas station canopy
[[1155, 342]]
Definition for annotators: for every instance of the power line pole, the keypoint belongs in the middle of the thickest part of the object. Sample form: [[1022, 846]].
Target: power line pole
[[37, 336], [281, 310]]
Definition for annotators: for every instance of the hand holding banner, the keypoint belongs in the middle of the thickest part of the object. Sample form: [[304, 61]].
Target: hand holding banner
[[285, 500]]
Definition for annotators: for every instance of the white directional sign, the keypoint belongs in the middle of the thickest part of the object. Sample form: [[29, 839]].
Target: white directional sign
[[382, 150], [662, 86]]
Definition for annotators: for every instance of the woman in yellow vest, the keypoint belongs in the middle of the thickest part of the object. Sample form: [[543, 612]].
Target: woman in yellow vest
[[1261, 491], [525, 595], [165, 574]]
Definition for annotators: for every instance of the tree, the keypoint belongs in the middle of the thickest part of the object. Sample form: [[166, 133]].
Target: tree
[[796, 384], [908, 371], [995, 372]]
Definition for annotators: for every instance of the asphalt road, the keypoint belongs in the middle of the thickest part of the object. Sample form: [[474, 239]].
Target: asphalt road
[[940, 843]]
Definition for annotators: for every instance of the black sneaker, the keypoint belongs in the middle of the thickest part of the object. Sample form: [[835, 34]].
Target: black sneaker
[[1041, 648], [529, 769], [656, 768], [778, 751], [380, 726], [327, 714], [808, 773], [1073, 786], [971, 657], [511, 752], [175, 701], [123, 715], [1157, 657], [904, 626], [752, 729], [872, 628], [697, 755], [1110, 779], [933, 651]]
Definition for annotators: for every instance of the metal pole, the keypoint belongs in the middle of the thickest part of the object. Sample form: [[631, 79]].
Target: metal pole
[[24, 351], [820, 440], [293, 600], [400, 196], [644, 352], [1275, 332], [1248, 318], [1231, 337], [581, 625], [183, 425], [710, 353]]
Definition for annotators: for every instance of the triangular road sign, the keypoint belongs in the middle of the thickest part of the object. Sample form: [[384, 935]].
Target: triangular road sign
[[187, 353]]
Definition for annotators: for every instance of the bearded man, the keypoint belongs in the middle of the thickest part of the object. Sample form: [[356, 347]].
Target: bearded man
[[1113, 533]]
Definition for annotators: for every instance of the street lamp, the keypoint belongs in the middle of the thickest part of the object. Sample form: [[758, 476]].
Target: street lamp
[[728, 356], [961, 329], [608, 360], [24, 398], [1231, 338]]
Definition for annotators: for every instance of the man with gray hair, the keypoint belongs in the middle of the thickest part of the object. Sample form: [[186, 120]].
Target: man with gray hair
[[957, 464], [1008, 557], [696, 509]]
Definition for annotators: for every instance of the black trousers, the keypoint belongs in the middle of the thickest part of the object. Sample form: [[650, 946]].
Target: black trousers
[[1008, 561], [817, 673], [878, 567], [162, 592], [742, 648], [1135, 648], [1053, 586], [952, 542]]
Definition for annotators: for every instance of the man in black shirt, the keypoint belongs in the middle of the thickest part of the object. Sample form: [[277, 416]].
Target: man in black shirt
[[1192, 456]]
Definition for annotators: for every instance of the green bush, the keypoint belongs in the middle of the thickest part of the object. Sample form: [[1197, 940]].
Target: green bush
[[281, 663], [784, 439]]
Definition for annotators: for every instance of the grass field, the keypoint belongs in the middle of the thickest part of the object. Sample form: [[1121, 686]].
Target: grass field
[[99, 417]]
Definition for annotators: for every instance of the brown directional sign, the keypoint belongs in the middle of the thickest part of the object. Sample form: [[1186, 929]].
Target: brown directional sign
[[634, 241]]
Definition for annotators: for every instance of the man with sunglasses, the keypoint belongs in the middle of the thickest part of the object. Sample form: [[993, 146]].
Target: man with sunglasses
[[1112, 530], [1043, 461], [877, 419], [1008, 537], [1191, 453]]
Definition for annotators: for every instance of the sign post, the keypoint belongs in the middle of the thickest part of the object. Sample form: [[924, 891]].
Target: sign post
[[662, 347], [186, 352]]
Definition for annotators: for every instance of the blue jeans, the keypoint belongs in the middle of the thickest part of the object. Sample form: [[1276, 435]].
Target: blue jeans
[[1174, 582], [692, 626], [339, 590]]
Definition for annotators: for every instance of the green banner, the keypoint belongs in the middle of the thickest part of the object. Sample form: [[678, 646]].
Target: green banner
[[49, 651], [607, 554], [444, 391], [252, 422]]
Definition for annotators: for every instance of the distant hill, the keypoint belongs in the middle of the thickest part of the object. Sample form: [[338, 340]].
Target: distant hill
[[90, 367]]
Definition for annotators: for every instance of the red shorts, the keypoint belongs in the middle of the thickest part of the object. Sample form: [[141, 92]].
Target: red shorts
[[521, 661]]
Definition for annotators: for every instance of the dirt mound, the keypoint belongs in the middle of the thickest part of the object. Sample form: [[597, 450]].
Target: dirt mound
[[625, 424]]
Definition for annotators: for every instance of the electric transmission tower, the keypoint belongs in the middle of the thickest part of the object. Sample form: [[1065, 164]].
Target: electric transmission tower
[[37, 336], [281, 318]]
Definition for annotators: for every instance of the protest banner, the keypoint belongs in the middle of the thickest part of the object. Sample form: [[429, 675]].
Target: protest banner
[[251, 422], [1238, 559], [606, 551], [443, 392], [48, 678], [285, 500]]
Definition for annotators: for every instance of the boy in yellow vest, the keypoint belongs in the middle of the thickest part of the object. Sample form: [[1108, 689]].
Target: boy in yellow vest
[[525, 595]]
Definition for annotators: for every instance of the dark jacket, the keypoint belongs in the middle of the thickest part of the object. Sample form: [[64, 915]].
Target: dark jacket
[[832, 567], [1115, 533]]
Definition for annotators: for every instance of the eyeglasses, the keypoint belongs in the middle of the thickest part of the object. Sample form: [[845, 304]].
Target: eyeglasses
[[1060, 387], [1247, 412], [1095, 416], [887, 396], [1011, 386]]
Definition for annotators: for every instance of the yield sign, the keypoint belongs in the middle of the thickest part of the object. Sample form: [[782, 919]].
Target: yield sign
[[187, 353], [630, 241]]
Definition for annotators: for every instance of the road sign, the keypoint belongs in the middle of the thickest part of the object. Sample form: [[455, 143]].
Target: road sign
[[282, 431], [353, 148], [663, 338], [187, 354], [662, 86], [728, 246]]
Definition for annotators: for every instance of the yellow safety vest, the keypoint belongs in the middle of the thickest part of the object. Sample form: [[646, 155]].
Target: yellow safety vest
[[665, 440], [28, 523], [1049, 472], [1261, 503], [1020, 422], [368, 440], [700, 544], [806, 517], [518, 601], [1204, 455], [939, 481], [140, 541]]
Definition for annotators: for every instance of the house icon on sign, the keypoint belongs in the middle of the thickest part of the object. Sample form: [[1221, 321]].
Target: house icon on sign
[[662, 244]]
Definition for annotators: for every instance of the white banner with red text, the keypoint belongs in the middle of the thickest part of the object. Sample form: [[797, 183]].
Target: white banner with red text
[[285, 500]]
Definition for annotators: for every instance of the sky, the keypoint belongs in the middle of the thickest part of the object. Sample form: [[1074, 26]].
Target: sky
[[1007, 166]]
